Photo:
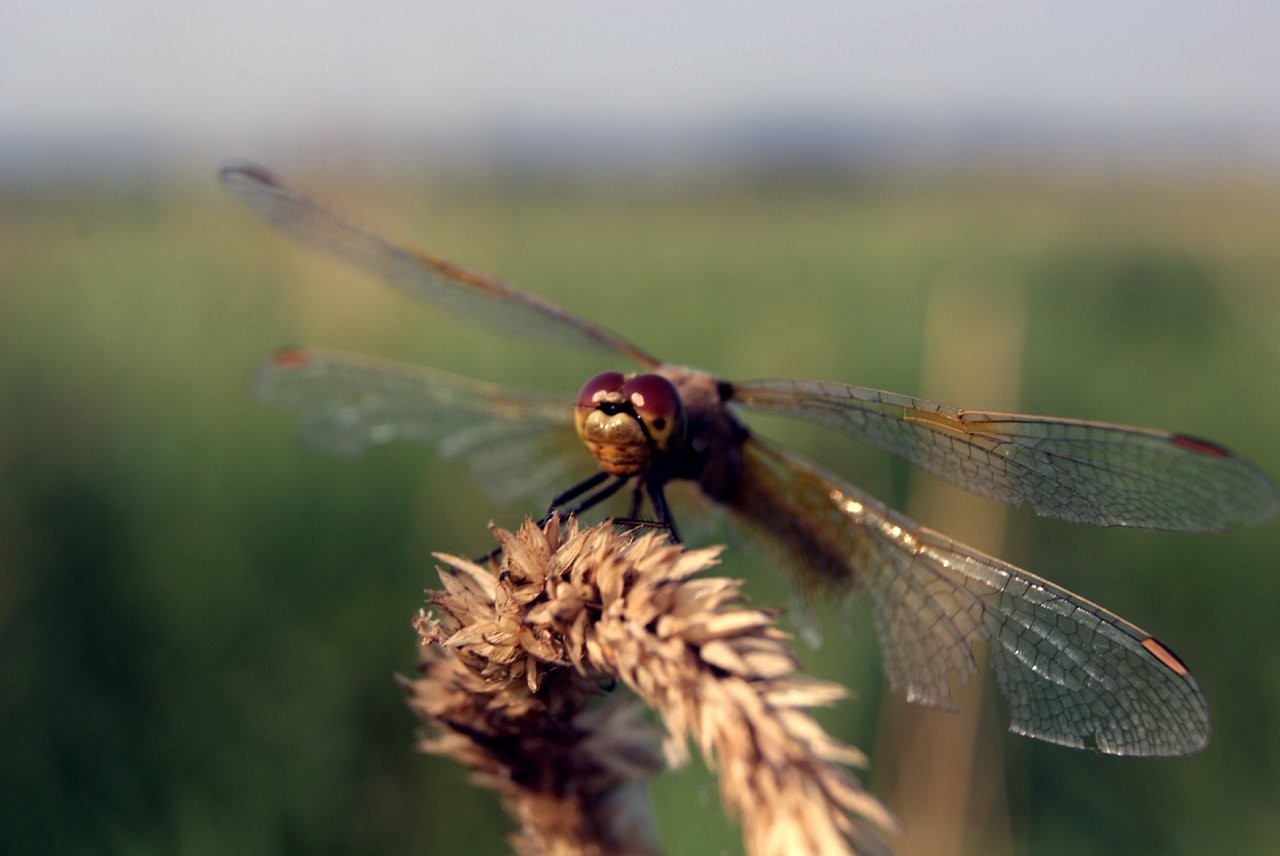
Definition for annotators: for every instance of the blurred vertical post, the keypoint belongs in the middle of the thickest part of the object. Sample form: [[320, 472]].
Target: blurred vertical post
[[950, 797]]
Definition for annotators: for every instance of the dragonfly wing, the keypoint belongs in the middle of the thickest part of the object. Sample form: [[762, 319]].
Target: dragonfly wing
[[1076, 470], [1072, 672], [456, 289], [518, 442]]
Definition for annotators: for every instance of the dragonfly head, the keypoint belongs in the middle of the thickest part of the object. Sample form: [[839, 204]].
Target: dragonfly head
[[627, 421]]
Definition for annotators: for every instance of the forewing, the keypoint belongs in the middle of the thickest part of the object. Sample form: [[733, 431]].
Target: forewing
[[463, 292], [1076, 470], [1072, 672], [519, 443]]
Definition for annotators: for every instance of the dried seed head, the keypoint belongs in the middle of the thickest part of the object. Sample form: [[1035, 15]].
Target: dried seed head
[[514, 653]]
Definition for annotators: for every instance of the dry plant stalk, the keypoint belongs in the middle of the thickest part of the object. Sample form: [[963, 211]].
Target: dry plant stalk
[[513, 659]]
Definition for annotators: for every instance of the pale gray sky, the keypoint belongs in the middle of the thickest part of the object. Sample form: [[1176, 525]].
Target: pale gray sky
[[240, 75]]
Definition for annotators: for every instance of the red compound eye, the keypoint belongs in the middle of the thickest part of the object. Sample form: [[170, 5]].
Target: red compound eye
[[598, 387], [657, 404]]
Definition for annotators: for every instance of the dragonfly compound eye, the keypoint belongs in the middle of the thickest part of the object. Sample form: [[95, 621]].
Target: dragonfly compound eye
[[598, 389], [657, 404], [601, 390]]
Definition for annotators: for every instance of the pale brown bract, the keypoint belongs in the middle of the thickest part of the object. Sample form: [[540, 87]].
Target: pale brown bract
[[515, 656]]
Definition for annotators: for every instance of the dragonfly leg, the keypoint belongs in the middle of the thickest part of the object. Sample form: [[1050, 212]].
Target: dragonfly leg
[[554, 508], [651, 486], [658, 497], [574, 492], [594, 495], [637, 497], [591, 500]]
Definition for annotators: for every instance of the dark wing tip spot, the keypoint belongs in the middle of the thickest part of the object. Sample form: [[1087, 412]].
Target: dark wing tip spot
[[290, 359], [1170, 660], [238, 170], [1201, 447]]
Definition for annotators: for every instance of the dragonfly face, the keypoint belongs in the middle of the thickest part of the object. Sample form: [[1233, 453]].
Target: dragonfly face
[[1073, 672], [640, 426], [626, 422]]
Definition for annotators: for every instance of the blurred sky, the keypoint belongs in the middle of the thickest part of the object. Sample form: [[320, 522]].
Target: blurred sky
[[80, 78]]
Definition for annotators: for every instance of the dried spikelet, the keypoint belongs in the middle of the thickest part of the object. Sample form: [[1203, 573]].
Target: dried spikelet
[[514, 657]]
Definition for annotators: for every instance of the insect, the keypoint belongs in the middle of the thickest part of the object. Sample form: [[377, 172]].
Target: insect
[[1073, 673]]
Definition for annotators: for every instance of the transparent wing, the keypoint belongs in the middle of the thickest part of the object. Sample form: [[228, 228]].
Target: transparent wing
[[519, 443], [463, 292], [1072, 672], [1085, 472]]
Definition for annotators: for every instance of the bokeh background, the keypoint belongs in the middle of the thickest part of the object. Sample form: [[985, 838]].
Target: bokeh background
[[1073, 211]]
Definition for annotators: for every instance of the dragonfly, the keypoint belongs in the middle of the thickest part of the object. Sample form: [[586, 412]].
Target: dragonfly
[[1072, 672]]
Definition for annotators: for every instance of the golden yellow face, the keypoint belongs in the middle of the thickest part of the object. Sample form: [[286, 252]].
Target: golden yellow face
[[624, 422]]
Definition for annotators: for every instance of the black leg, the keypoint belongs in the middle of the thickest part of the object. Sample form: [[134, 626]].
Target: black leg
[[659, 499], [653, 487], [637, 496], [569, 495], [574, 492], [618, 483]]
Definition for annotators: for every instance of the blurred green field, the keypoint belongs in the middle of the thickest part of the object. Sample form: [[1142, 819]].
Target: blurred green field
[[199, 621]]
